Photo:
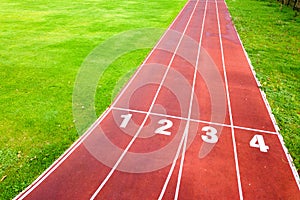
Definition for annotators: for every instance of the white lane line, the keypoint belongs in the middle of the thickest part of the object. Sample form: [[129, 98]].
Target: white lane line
[[255, 130], [147, 115], [229, 108], [185, 136], [171, 170], [186, 130], [151, 113]]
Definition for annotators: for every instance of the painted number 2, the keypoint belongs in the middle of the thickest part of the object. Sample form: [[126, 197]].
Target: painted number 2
[[258, 142], [211, 135], [166, 125]]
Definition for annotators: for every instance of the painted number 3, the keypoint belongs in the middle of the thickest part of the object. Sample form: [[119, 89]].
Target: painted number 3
[[211, 135]]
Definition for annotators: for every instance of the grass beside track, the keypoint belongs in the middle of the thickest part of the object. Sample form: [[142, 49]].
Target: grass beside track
[[43, 44], [271, 34]]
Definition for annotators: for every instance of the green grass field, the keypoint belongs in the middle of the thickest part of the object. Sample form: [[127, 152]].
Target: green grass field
[[43, 44]]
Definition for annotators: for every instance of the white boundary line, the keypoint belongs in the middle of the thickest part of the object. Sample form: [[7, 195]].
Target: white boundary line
[[147, 115], [79, 141], [195, 120], [254, 130], [229, 108], [264, 97]]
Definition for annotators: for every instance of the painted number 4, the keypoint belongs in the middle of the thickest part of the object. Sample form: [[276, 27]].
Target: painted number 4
[[258, 142]]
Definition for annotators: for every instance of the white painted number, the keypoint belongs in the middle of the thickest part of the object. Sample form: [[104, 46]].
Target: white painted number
[[161, 130], [258, 142], [166, 125], [210, 136], [125, 120]]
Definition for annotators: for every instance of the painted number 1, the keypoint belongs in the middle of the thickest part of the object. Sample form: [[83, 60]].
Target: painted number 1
[[125, 120], [258, 142]]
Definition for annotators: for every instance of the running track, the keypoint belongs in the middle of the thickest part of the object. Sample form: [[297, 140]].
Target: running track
[[190, 124]]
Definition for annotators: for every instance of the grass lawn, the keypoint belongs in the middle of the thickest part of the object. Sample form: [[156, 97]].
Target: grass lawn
[[43, 44]]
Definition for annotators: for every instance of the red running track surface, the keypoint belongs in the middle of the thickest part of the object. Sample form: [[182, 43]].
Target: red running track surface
[[192, 123]]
